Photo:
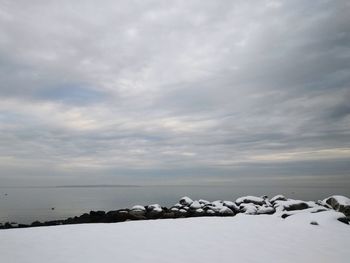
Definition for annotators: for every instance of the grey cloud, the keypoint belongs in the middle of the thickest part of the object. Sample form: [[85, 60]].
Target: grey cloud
[[226, 87]]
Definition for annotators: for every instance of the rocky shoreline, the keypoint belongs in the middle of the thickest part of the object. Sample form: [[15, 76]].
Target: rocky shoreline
[[186, 207]]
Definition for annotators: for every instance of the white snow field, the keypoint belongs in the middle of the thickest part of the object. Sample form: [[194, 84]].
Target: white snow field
[[242, 238]]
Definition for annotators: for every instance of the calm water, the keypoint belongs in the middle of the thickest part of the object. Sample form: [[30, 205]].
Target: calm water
[[25, 205]]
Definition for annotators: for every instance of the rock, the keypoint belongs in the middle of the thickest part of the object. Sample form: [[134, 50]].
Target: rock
[[249, 209], [35, 223], [154, 207], [290, 205], [97, 216], [203, 202], [344, 220], [231, 205], [278, 198], [182, 213], [178, 205], [138, 207], [186, 201], [84, 218], [250, 199], [339, 203], [225, 211], [198, 212], [116, 216], [297, 206], [154, 211], [314, 223], [169, 214], [123, 214], [138, 212], [210, 212], [268, 210], [174, 209], [284, 216], [195, 205]]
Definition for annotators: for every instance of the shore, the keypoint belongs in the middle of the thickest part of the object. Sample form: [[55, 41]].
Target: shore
[[186, 207]]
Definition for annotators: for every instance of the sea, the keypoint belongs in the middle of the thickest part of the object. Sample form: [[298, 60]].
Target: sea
[[28, 204]]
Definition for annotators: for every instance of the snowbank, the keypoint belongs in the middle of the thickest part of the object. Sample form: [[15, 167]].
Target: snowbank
[[243, 238]]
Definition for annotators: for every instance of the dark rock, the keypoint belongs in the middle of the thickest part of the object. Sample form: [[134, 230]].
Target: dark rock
[[314, 223], [138, 212], [197, 212], [225, 211], [296, 206], [344, 220], [97, 216], [36, 223], [168, 214], [285, 216]]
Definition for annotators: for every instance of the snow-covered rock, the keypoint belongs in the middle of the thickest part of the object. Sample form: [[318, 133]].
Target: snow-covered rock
[[231, 205], [339, 203], [250, 199], [264, 209], [154, 211], [225, 211], [198, 212], [278, 198], [138, 212], [155, 207], [186, 201], [138, 207], [290, 205], [203, 202], [195, 205], [249, 209]]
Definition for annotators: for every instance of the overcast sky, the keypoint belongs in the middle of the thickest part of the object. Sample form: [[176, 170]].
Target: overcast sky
[[173, 91]]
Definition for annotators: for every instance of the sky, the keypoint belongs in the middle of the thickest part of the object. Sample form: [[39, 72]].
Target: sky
[[174, 92]]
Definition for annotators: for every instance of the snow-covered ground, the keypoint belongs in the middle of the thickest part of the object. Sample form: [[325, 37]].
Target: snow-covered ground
[[242, 238]]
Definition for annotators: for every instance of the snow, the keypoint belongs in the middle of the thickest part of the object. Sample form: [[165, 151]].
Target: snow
[[242, 238]]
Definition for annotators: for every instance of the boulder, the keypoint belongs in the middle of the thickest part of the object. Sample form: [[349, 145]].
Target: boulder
[[195, 205], [138, 212], [154, 211], [278, 198], [250, 199], [339, 203], [97, 216], [225, 211], [290, 205], [203, 202], [249, 209], [264, 209], [198, 212], [186, 201], [231, 205], [209, 212]]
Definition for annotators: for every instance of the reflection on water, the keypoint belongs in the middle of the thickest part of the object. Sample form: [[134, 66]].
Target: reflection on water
[[25, 205]]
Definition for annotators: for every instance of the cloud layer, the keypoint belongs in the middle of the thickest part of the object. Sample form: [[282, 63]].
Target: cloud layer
[[142, 89]]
